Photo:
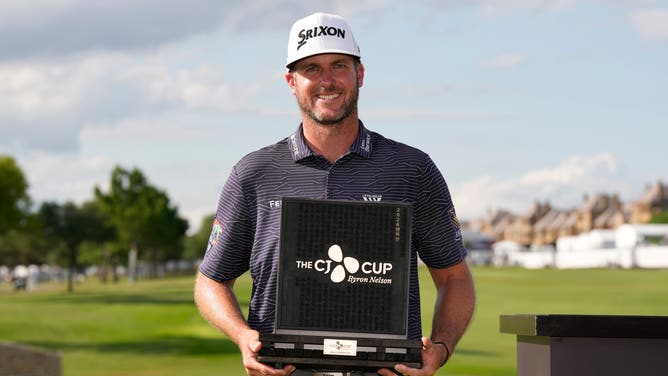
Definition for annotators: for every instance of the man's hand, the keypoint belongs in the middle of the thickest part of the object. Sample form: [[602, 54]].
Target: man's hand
[[250, 345], [433, 355]]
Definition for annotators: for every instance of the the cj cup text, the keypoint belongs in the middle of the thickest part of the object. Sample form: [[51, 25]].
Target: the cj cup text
[[339, 266], [325, 266]]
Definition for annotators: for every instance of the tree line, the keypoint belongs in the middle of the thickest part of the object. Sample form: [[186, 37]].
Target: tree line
[[131, 219]]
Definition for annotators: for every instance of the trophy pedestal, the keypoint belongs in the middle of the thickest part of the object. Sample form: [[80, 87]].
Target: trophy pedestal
[[337, 353]]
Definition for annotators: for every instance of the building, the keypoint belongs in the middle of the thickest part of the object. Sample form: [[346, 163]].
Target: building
[[521, 230], [653, 200], [600, 212], [543, 225]]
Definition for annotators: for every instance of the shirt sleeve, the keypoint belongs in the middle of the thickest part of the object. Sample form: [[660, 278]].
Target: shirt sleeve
[[437, 229], [231, 240]]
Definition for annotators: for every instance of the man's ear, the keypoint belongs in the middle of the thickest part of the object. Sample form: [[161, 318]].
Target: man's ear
[[290, 79], [360, 75]]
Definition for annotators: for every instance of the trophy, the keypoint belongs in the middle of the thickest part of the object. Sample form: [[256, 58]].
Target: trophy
[[343, 287]]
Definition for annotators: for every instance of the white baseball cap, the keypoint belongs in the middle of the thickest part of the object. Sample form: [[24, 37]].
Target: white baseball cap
[[321, 33]]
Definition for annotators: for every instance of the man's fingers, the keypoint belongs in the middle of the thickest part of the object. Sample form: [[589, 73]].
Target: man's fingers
[[255, 346]]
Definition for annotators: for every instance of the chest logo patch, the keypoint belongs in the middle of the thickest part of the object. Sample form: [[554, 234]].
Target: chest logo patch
[[372, 197]]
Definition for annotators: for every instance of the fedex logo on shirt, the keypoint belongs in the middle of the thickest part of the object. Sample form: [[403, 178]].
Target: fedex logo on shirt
[[275, 203]]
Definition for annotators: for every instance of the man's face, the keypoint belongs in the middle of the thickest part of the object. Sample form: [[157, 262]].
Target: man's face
[[327, 86]]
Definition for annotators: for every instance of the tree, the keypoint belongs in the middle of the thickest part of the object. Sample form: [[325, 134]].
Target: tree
[[21, 246], [660, 217], [196, 243], [14, 199], [72, 225], [106, 255], [143, 216], [100, 235]]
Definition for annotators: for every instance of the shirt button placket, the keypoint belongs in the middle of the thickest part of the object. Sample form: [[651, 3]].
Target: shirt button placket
[[328, 192]]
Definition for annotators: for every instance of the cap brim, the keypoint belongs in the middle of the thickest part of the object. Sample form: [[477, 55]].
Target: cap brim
[[292, 63]]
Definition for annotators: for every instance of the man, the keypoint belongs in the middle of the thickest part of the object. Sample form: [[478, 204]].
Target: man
[[330, 156]]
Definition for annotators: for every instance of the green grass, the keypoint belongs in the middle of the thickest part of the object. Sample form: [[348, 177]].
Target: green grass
[[153, 327]]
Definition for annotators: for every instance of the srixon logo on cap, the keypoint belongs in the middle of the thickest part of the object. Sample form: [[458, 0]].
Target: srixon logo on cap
[[319, 31]]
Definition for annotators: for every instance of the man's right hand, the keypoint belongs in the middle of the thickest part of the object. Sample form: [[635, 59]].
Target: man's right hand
[[250, 345]]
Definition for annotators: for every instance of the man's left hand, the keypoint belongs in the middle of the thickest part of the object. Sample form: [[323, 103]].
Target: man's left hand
[[433, 355]]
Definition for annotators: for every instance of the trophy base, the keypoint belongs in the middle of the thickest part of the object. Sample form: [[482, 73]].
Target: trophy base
[[338, 353]]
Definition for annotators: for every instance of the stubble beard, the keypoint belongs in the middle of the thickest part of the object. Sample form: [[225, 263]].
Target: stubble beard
[[349, 108]]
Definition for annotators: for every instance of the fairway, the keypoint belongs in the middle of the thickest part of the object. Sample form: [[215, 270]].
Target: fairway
[[153, 328]]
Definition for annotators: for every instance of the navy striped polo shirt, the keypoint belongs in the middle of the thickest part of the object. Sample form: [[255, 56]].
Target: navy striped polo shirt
[[245, 233]]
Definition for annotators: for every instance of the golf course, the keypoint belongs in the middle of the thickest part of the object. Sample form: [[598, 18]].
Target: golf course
[[152, 327]]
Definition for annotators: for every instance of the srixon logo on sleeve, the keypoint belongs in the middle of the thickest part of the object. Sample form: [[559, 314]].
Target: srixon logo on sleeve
[[319, 31], [349, 269]]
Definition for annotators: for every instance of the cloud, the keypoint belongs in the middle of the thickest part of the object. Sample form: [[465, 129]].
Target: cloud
[[562, 185], [504, 61], [157, 146], [650, 23], [48, 28], [202, 87], [37, 28], [44, 105], [63, 177], [574, 169], [70, 64]]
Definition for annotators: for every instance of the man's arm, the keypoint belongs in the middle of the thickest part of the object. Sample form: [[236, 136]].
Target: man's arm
[[218, 304], [455, 302]]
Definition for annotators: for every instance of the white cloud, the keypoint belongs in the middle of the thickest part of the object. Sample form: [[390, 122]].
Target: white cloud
[[503, 61], [181, 157], [202, 87], [562, 185], [63, 177], [40, 89], [651, 23], [573, 170], [45, 105]]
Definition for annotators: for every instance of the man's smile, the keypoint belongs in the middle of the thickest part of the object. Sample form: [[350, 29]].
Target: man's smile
[[327, 97]]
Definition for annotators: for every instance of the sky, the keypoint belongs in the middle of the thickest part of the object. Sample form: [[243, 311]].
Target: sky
[[515, 101]]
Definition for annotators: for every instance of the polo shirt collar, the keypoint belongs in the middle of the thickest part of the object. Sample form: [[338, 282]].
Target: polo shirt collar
[[362, 146], [297, 145]]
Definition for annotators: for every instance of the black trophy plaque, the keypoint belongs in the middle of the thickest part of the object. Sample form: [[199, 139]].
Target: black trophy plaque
[[342, 291]]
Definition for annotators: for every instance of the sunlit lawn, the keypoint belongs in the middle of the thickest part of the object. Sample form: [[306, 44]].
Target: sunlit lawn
[[153, 327]]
